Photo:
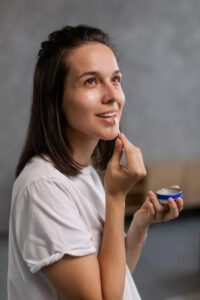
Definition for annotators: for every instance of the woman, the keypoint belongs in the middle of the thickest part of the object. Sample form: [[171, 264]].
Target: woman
[[66, 236]]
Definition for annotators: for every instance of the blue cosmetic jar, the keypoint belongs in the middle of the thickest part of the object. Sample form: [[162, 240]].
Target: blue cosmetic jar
[[165, 193]]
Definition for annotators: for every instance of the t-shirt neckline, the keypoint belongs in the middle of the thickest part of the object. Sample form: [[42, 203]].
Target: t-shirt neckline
[[86, 170]]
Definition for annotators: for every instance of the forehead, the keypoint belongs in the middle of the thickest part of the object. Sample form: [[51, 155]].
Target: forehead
[[92, 57]]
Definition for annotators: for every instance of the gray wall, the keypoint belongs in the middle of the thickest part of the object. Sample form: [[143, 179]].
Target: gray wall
[[159, 46]]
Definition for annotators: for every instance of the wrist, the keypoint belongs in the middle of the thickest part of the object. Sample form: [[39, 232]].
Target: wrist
[[141, 227], [141, 221], [136, 236], [137, 244], [117, 199]]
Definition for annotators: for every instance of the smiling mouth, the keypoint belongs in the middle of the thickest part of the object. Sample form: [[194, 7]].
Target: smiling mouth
[[107, 115]]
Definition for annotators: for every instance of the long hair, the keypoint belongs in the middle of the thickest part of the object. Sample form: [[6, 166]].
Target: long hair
[[46, 131]]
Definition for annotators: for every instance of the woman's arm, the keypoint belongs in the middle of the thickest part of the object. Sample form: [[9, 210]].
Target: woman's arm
[[118, 181], [112, 256], [134, 242], [91, 277], [103, 277], [76, 278], [150, 212]]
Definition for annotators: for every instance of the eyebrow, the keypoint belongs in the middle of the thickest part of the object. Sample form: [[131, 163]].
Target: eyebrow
[[95, 73]]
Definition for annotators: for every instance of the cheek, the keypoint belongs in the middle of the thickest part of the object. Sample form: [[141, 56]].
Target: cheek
[[81, 105], [88, 102], [122, 98]]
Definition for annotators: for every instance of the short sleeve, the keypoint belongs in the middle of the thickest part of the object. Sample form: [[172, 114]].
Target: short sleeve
[[50, 225]]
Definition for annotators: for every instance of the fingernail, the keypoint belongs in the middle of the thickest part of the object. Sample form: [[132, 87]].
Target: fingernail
[[151, 193]]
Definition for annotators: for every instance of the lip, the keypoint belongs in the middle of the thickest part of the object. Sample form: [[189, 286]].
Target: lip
[[107, 112], [108, 120]]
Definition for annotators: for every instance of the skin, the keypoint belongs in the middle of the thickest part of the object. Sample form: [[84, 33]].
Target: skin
[[85, 96]]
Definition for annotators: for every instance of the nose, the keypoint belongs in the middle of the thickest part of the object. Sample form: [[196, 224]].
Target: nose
[[110, 94]]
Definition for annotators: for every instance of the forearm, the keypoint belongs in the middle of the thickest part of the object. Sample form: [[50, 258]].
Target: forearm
[[112, 256], [134, 241]]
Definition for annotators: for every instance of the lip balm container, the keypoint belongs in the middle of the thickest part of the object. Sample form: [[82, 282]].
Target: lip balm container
[[164, 194]]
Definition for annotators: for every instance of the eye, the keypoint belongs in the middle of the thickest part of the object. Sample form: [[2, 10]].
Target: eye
[[90, 81], [117, 79]]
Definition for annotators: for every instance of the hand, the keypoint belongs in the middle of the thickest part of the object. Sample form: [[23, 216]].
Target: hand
[[119, 179], [152, 211]]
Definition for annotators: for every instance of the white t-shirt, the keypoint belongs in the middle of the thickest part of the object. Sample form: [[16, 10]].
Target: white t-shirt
[[52, 215]]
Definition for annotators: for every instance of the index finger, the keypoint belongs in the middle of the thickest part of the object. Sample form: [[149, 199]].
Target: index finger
[[130, 150]]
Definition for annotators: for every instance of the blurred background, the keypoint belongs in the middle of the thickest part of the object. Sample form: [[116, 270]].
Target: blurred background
[[158, 42]]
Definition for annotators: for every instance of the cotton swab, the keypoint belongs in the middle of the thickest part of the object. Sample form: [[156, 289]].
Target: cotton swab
[[117, 125], [123, 159]]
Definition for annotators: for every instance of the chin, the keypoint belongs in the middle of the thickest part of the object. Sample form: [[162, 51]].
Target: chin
[[109, 137]]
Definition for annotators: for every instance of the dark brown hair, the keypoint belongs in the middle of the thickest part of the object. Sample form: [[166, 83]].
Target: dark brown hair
[[46, 132]]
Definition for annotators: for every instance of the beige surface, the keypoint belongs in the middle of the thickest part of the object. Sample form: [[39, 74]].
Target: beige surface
[[184, 174], [192, 184]]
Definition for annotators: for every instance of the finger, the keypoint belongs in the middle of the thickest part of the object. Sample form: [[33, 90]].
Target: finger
[[135, 163], [173, 212], [116, 157], [175, 186], [165, 208], [159, 210], [179, 203], [145, 203], [125, 141], [150, 208]]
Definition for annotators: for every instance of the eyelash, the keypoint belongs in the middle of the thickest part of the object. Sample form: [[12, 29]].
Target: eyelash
[[88, 80], [118, 77], [93, 78]]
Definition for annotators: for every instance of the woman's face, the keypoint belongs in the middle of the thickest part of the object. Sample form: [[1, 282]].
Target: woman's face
[[92, 90]]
